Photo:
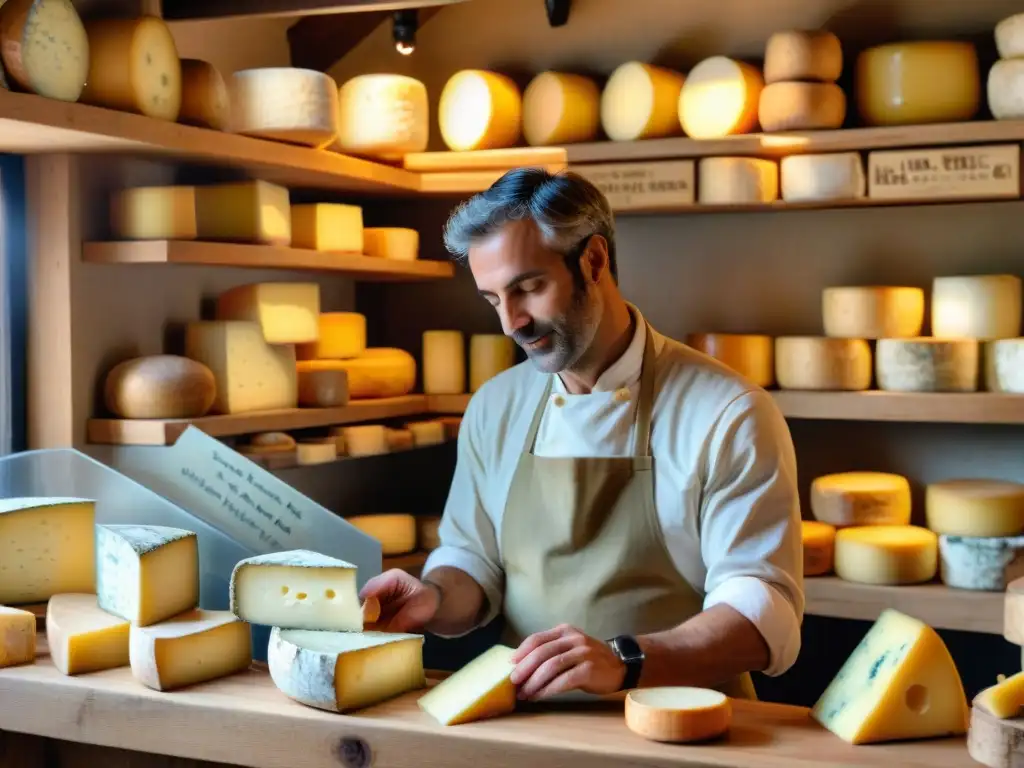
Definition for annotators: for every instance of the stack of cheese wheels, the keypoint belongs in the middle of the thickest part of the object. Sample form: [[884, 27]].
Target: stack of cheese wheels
[[479, 109], [372, 372], [750, 355], [1005, 85], [641, 101], [561, 108], [800, 73]]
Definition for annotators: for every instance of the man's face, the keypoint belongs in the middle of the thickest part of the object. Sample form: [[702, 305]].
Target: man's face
[[540, 306]]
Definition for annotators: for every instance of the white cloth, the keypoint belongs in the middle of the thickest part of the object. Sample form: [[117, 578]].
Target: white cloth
[[725, 478]]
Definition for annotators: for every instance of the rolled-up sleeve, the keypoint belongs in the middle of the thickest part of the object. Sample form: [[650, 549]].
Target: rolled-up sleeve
[[751, 539]]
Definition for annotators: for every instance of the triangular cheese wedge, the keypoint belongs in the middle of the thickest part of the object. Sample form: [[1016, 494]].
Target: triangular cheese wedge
[[481, 689], [1004, 699], [899, 683]]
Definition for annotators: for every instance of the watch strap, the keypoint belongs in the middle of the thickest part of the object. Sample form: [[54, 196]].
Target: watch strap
[[629, 652]]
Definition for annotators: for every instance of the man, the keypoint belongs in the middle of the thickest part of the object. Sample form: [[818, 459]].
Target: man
[[628, 504]]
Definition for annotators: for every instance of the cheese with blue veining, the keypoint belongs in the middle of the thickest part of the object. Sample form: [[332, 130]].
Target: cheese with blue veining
[[981, 562]]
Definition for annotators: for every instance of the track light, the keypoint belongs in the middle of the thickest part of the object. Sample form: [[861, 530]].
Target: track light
[[558, 12], [403, 30]]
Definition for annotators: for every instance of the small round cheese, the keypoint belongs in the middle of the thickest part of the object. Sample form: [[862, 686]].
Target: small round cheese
[[975, 507], [159, 387], [678, 714], [819, 546], [641, 101], [1004, 365], [801, 107], [1005, 89], [861, 498], [976, 307], [819, 178], [560, 108], [927, 364], [737, 181], [287, 104], [749, 355], [1009, 36], [444, 363], [821, 363], [480, 110], [872, 312], [980, 562], [886, 555], [803, 55], [383, 116], [720, 98]]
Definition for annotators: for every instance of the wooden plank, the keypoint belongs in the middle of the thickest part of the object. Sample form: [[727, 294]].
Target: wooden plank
[[778, 206], [467, 182], [484, 159], [447, 403], [183, 10], [951, 408]]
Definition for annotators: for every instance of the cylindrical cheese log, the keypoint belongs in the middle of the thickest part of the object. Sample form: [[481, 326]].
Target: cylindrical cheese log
[[976, 307], [801, 107], [986, 563], [975, 507], [378, 372], [561, 108], [480, 110], [737, 181], [821, 363], [489, 355], [641, 101], [159, 387], [1009, 36], [395, 532], [444, 363], [927, 364], [848, 499], [872, 311], [44, 47], [886, 554], [677, 715], [382, 115], [819, 545], [1004, 365], [749, 355], [720, 98], [803, 55], [365, 439], [918, 82], [1005, 89], [288, 104], [817, 178], [399, 243], [154, 213], [342, 336], [204, 96], [323, 389]]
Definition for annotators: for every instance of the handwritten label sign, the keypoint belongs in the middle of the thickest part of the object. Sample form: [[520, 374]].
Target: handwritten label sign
[[951, 173], [643, 186]]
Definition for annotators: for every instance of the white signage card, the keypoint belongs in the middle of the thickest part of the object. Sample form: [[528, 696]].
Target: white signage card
[[945, 173], [647, 186]]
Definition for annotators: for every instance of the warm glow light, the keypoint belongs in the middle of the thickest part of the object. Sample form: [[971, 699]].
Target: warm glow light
[[404, 48]]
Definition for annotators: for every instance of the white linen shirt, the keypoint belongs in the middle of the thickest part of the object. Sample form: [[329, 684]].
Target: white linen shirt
[[725, 478]]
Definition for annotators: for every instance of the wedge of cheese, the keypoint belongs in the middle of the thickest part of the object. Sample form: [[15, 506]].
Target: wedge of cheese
[[17, 637], [481, 689], [1004, 699], [83, 637]]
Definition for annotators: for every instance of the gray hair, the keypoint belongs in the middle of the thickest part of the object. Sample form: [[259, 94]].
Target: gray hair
[[566, 208]]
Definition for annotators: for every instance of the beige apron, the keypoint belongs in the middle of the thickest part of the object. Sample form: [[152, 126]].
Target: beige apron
[[582, 544]]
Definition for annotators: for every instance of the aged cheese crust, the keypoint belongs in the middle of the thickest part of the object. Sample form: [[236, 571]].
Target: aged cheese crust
[[44, 47]]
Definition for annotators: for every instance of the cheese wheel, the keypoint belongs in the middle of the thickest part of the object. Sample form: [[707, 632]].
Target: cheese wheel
[[1005, 89], [342, 335], [44, 47], [133, 67], [641, 101], [204, 96], [975, 507], [1009, 37], [817, 178], [159, 387], [382, 116], [886, 555], [427, 532], [322, 389], [801, 107], [489, 355], [986, 563], [444, 363], [927, 365], [287, 104], [678, 714], [396, 243], [720, 98], [309, 453], [976, 307], [821, 363], [377, 372], [395, 532], [737, 181], [919, 82], [861, 498], [749, 355], [803, 55], [819, 546], [560, 108], [1004, 366], [480, 110], [365, 439], [872, 311]]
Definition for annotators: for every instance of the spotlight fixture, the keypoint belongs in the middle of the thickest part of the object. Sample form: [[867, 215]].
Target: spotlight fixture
[[403, 30], [558, 12]]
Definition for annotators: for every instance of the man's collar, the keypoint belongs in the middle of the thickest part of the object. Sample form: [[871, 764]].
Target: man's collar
[[625, 371]]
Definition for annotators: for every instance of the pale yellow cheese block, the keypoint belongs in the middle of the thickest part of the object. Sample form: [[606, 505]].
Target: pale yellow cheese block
[[480, 110], [489, 355], [398, 243], [29, 31], [720, 98], [820, 363], [815, 55], [872, 311], [561, 108], [341, 335], [378, 372], [159, 387], [975, 507], [801, 107], [331, 227], [678, 714], [819, 541], [737, 181], [886, 555], [861, 498], [424, 433], [444, 362], [204, 96], [17, 637], [395, 532], [364, 439], [288, 104], [481, 689], [749, 355], [315, 452], [641, 101], [287, 313], [244, 212], [821, 178], [927, 364], [385, 116], [154, 213], [82, 637], [976, 306]]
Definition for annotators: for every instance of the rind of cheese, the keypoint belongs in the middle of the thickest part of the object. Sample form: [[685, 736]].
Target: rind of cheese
[[886, 554], [328, 227], [976, 307], [737, 181], [154, 213], [159, 387], [17, 637], [815, 55], [323, 389], [819, 541], [342, 335], [287, 104], [244, 212], [801, 107], [44, 47], [641, 101], [481, 689], [985, 563], [382, 115], [480, 110], [398, 243], [395, 532], [678, 714], [204, 96], [444, 362], [365, 439], [927, 364], [1004, 365], [817, 178], [287, 313], [719, 98], [975, 507], [861, 498], [821, 363], [378, 372], [872, 311], [560, 108], [82, 637], [749, 355], [309, 452], [1004, 699], [489, 355], [1004, 88], [1009, 37]]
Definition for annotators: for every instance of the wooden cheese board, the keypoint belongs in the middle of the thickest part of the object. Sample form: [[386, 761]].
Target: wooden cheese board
[[995, 742]]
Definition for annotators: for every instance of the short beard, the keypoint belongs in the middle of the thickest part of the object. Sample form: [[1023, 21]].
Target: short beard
[[571, 334]]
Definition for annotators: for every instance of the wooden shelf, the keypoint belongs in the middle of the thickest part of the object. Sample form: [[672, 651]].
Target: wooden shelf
[[781, 206], [447, 403], [935, 604], [353, 265]]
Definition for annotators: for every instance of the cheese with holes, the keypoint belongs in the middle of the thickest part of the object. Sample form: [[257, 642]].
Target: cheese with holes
[[1005, 89], [719, 98], [801, 107], [861, 498], [308, 453], [154, 213], [251, 374], [146, 573], [83, 637], [383, 116], [910, 83], [737, 181], [426, 433], [377, 372], [899, 683], [159, 387], [427, 535], [444, 362], [872, 311], [193, 647], [982, 563], [975, 507], [976, 307], [297, 589], [815, 55], [1009, 37], [1004, 699], [927, 364], [677, 714], [886, 554], [204, 96], [330, 227], [289, 104], [323, 389], [341, 335], [287, 313], [641, 101], [818, 178], [560, 108], [481, 689], [821, 363], [133, 67], [17, 637], [819, 541], [44, 47], [1004, 365], [244, 212], [749, 355], [399, 439], [46, 547], [480, 110], [395, 532], [344, 671], [398, 243], [489, 355], [365, 439]]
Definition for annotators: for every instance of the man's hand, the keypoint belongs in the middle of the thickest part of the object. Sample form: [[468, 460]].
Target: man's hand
[[406, 603], [564, 659]]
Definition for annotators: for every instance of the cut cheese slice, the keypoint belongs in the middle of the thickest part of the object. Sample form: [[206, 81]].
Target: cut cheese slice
[[489, 355], [427, 535], [820, 178], [146, 573], [82, 637], [17, 637], [377, 372], [399, 439], [1005, 89], [159, 387], [801, 107], [154, 213], [344, 671], [872, 312], [297, 589], [886, 554], [803, 55], [289, 104], [31, 34], [750, 356], [719, 98], [193, 647], [927, 365], [678, 714], [976, 307], [308, 453], [1005, 699], [560, 108], [861, 498], [341, 335], [1009, 37], [975, 507], [426, 433], [481, 689], [395, 532], [287, 313], [641, 101], [899, 683], [820, 363], [398, 243], [444, 362], [382, 115], [46, 547], [737, 181], [244, 212], [1004, 365], [323, 389], [365, 439], [479, 110], [204, 96], [332, 227], [819, 541], [985, 563]]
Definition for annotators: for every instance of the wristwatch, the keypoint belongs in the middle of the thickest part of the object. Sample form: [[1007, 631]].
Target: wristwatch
[[628, 650]]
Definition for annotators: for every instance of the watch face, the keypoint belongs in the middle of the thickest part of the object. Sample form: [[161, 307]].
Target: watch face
[[627, 648]]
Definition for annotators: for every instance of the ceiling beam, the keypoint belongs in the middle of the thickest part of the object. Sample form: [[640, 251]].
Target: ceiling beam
[[183, 10]]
